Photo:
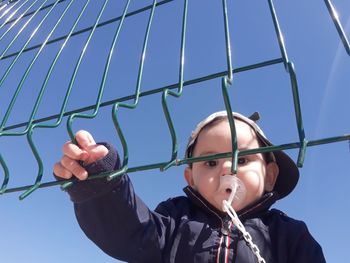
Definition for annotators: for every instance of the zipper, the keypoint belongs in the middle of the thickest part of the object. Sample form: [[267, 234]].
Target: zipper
[[223, 250]]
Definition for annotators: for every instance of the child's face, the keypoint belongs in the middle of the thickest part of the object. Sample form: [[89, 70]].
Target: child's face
[[253, 171]]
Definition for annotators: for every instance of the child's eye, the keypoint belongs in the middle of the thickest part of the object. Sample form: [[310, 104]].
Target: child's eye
[[211, 163], [242, 160]]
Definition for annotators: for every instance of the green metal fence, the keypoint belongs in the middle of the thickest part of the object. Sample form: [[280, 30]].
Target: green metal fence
[[22, 20]]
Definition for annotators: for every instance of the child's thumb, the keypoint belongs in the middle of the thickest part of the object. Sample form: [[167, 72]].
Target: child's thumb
[[84, 140], [87, 143]]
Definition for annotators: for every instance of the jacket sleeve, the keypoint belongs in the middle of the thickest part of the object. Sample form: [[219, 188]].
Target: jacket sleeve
[[305, 247], [293, 242], [115, 218]]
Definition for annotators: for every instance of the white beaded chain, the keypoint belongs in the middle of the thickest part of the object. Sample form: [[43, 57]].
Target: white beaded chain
[[247, 237]]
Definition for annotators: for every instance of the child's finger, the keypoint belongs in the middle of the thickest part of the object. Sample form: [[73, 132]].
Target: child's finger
[[62, 172], [84, 139], [74, 152], [74, 167], [96, 152]]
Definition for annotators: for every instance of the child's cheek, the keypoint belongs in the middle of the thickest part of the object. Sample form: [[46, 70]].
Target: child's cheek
[[253, 181], [207, 184]]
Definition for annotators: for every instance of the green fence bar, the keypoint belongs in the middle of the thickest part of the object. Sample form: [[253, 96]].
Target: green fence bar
[[187, 83], [8, 10], [24, 77], [16, 21], [136, 99], [154, 166], [35, 125], [177, 93], [279, 34], [226, 82], [6, 175], [8, 19], [82, 31], [104, 77], [291, 71], [32, 12], [334, 15], [23, 47]]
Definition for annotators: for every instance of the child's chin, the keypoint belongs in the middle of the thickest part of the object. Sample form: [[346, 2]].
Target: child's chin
[[219, 202], [220, 205]]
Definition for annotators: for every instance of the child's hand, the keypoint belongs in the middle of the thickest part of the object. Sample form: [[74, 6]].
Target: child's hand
[[86, 151]]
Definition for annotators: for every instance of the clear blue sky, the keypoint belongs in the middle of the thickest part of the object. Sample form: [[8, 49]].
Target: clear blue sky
[[42, 228]]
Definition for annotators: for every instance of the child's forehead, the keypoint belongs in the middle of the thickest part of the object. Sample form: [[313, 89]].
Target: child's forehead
[[223, 123], [246, 135]]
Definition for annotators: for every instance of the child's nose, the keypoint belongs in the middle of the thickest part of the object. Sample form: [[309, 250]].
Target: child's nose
[[227, 167]]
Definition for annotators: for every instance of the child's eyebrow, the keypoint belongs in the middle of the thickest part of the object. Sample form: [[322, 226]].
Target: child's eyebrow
[[208, 153], [218, 152], [244, 149], [248, 148]]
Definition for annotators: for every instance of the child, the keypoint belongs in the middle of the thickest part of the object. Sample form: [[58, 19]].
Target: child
[[195, 228]]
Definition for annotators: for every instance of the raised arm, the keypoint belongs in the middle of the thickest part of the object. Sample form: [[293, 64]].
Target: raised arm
[[109, 212]]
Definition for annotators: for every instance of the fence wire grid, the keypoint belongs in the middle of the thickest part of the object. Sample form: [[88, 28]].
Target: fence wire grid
[[51, 50]]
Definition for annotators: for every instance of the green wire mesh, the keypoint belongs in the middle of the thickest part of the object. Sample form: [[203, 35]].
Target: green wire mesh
[[19, 16]]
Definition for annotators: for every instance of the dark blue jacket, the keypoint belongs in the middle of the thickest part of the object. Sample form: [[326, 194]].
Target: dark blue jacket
[[183, 229]]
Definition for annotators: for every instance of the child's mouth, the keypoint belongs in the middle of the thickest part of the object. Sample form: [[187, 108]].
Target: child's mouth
[[228, 190], [231, 189]]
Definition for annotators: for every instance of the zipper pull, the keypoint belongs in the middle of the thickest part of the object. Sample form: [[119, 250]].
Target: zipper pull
[[225, 229]]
